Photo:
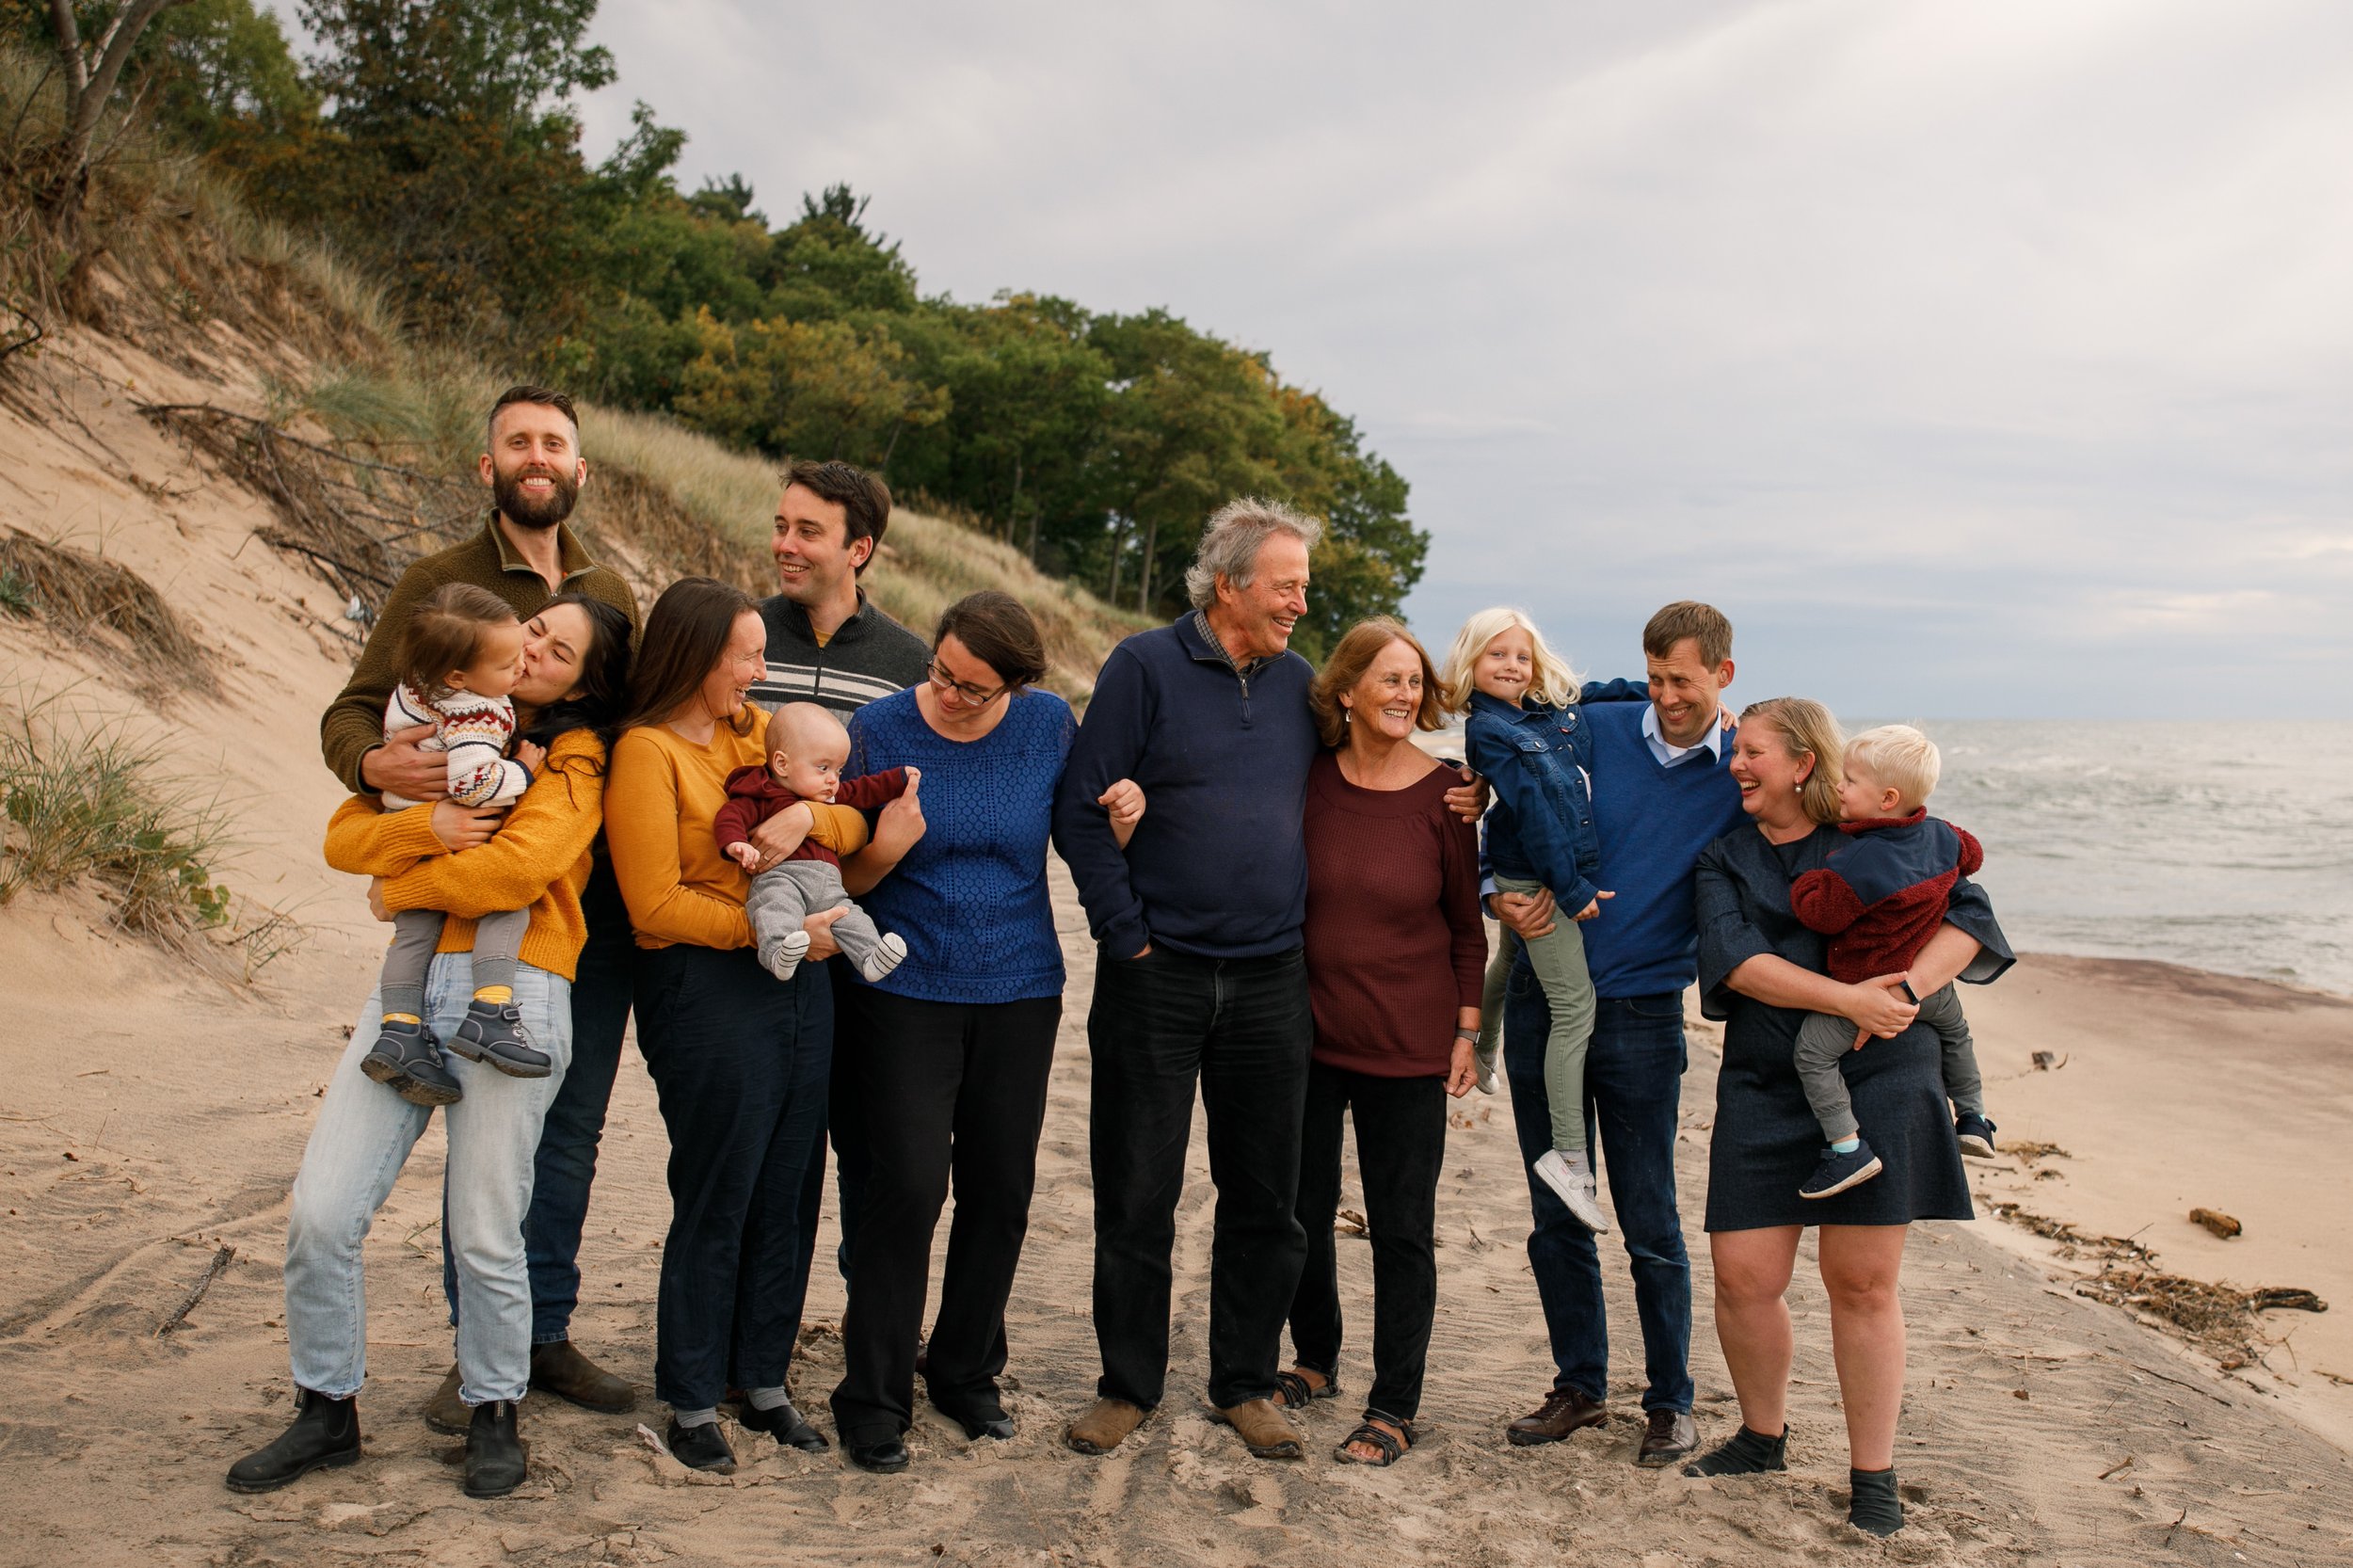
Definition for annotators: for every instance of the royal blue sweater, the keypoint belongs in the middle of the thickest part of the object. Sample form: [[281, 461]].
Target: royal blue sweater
[[1653, 822], [1218, 867], [970, 897]]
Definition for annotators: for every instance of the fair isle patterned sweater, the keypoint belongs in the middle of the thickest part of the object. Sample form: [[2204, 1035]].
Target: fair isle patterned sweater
[[475, 732]]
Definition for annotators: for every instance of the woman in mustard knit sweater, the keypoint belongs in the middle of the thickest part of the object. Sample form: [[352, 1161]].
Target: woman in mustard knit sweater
[[445, 857], [739, 1059]]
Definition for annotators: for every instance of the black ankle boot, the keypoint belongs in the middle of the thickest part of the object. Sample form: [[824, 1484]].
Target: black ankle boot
[[1873, 1505], [1744, 1453], [326, 1433], [494, 1451]]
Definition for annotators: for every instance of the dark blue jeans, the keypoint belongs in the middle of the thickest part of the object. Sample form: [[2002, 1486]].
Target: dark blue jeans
[[564, 1166], [1633, 1097], [1240, 1029], [740, 1063]]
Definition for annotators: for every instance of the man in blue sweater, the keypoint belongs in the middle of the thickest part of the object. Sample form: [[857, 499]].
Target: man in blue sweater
[[1198, 972], [1661, 795]]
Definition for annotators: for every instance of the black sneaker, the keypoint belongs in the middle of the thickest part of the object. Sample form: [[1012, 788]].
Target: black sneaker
[[494, 1033], [325, 1434], [1976, 1134], [1837, 1172], [405, 1060]]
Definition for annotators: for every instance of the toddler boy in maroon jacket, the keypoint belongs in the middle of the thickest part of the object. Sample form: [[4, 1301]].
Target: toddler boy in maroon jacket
[[807, 748], [1878, 899]]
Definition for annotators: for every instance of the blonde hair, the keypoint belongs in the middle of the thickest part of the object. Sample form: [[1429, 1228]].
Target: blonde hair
[[1555, 682], [1806, 730], [1363, 643], [1900, 758]]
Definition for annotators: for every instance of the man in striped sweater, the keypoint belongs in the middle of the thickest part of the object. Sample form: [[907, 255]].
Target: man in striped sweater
[[829, 644]]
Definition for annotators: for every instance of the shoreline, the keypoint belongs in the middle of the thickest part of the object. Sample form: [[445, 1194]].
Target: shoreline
[[2169, 1088]]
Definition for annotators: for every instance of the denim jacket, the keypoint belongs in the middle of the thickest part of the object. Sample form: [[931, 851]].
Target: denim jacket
[[1540, 762]]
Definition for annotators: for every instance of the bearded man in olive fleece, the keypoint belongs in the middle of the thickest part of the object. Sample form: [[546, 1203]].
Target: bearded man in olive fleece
[[526, 556]]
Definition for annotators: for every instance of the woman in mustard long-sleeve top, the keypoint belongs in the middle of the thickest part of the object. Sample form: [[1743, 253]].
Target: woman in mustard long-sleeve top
[[739, 1059], [444, 857]]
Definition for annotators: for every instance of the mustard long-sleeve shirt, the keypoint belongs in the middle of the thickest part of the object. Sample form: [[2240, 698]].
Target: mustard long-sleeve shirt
[[660, 808]]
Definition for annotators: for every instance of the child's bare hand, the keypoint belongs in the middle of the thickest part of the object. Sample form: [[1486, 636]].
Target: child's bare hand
[[1593, 909], [743, 855], [529, 756], [465, 826]]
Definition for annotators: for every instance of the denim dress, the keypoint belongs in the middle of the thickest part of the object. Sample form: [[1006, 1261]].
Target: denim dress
[[1539, 761]]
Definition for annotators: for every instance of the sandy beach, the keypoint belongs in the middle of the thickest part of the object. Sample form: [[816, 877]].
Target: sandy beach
[[155, 1110]]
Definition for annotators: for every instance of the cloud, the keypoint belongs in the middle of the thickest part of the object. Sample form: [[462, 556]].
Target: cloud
[[1935, 342]]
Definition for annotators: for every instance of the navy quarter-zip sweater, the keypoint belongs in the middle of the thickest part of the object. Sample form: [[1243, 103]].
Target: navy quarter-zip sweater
[[1218, 867]]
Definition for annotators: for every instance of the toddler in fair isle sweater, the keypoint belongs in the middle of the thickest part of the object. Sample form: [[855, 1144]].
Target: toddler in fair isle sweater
[[460, 654], [1879, 899]]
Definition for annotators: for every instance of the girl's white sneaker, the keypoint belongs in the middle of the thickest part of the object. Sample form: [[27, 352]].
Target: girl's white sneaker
[[1579, 1193]]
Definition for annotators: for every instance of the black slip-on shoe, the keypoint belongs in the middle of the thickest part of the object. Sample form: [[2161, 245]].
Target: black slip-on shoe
[[325, 1435], [701, 1447]]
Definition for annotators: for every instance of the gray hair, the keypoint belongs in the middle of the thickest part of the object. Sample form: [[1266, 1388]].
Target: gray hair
[[1231, 544]]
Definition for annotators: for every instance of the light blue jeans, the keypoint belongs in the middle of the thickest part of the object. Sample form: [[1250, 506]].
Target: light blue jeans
[[362, 1138]]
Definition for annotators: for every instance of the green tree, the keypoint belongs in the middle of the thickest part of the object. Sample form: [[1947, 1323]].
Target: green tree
[[827, 263], [806, 389]]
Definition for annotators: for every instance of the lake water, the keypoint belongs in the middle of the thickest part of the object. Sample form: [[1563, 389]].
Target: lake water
[[2224, 846]]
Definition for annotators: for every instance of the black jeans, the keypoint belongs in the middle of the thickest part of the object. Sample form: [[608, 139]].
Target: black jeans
[[946, 1091], [1401, 1145], [566, 1165], [740, 1063], [844, 1129], [1240, 1029]]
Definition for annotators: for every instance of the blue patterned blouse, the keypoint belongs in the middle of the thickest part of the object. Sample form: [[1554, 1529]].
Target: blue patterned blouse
[[970, 897]]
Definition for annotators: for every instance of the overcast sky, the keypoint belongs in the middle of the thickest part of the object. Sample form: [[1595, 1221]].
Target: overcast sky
[[1978, 359]]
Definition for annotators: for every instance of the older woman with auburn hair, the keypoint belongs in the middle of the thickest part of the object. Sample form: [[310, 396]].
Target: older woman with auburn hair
[[1395, 949], [1761, 972]]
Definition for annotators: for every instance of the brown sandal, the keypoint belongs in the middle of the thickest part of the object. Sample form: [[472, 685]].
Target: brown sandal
[[1293, 1391], [1391, 1449]]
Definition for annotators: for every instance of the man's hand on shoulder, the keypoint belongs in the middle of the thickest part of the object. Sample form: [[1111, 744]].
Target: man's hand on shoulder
[[400, 767], [1468, 799]]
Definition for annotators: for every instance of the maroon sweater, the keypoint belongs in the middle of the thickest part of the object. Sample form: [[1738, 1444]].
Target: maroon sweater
[[1880, 896], [754, 797], [1394, 941]]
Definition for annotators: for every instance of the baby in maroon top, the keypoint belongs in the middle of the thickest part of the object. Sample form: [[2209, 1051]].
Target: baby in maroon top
[[807, 749], [1879, 899]]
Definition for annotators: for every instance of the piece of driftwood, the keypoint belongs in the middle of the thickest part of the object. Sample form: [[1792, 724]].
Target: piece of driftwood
[[2215, 1221], [222, 1257]]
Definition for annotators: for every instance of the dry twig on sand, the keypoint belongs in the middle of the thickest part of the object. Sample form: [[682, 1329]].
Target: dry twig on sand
[[222, 1256]]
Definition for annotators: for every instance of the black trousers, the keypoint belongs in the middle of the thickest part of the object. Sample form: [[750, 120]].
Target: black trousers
[[740, 1064], [945, 1092], [1401, 1145], [1239, 1028]]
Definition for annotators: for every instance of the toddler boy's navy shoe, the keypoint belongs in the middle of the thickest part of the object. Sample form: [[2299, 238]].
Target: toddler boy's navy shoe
[[405, 1060], [1837, 1172], [1976, 1134], [494, 1033]]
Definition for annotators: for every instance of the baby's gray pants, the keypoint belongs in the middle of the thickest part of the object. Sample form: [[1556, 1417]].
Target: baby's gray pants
[[783, 896], [1824, 1039]]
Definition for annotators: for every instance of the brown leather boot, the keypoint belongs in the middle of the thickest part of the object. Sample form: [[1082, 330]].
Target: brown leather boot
[[445, 1412], [1264, 1431], [1104, 1425], [557, 1368]]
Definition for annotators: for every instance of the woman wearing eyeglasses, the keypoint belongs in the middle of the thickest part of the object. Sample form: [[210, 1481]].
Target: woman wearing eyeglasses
[[953, 1049]]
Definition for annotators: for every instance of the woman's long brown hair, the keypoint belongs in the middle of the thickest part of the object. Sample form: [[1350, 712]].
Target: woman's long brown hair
[[686, 633]]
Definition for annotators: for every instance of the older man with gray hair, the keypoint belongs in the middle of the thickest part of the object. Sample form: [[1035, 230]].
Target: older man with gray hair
[[1199, 975]]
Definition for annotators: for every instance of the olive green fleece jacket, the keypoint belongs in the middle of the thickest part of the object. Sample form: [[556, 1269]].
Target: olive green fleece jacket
[[354, 722]]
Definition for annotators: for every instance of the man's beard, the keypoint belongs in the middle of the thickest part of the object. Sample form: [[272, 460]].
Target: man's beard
[[507, 490]]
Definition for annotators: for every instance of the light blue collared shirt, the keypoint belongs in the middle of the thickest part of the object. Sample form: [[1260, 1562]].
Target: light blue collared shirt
[[1671, 755]]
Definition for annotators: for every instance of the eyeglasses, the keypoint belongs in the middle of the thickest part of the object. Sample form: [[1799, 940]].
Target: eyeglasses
[[980, 696]]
